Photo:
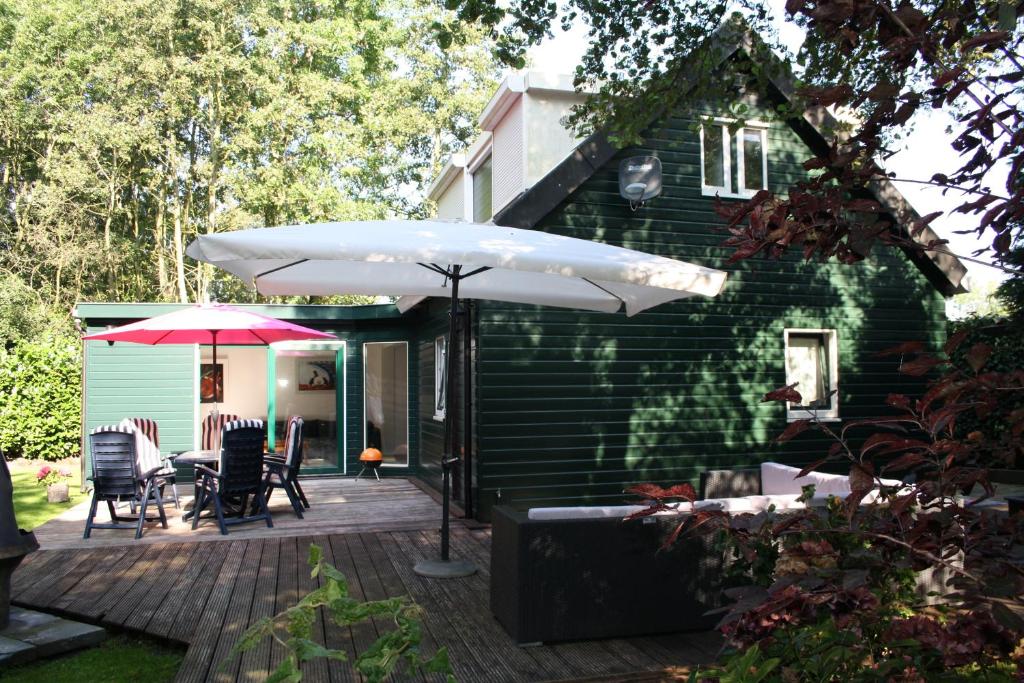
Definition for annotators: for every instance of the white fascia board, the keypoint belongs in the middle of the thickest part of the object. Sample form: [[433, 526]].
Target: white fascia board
[[512, 87], [477, 151], [515, 84], [449, 172]]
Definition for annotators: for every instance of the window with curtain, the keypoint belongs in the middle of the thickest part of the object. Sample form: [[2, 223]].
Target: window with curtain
[[386, 400], [440, 350], [482, 192], [811, 364]]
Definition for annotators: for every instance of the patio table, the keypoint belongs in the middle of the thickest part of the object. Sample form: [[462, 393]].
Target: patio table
[[209, 458]]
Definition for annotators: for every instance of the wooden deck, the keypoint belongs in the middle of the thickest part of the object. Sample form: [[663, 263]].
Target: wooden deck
[[340, 505], [203, 595]]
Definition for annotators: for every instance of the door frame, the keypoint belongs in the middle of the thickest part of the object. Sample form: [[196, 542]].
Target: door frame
[[408, 385], [340, 349]]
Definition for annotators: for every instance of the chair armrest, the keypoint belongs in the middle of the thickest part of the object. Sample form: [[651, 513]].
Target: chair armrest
[[150, 473], [206, 471]]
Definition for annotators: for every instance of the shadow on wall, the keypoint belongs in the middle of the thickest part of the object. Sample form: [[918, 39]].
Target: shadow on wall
[[576, 405]]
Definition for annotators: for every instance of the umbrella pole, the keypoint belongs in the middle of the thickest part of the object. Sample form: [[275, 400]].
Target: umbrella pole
[[446, 568]]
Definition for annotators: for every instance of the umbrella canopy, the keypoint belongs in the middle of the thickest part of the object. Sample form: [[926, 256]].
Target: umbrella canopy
[[406, 257], [209, 324], [453, 259]]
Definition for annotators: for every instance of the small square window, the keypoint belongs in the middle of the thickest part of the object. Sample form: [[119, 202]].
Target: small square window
[[812, 363], [440, 377], [719, 146]]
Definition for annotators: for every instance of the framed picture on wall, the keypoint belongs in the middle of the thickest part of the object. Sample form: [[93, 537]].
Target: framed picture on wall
[[315, 375], [211, 383]]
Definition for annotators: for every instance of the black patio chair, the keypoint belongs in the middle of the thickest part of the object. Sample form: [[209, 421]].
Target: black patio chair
[[116, 478], [283, 472], [239, 475]]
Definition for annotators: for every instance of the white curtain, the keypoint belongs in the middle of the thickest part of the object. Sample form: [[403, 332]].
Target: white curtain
[[374, 390]]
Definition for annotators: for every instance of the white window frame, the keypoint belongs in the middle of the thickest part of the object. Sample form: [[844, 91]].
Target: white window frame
[[473, 163], [712, 190], [728, 142], [408, 380], [741, 175], [830, 414], [440, 349]]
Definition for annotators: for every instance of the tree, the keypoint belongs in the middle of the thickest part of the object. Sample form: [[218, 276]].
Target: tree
[[130, 126]]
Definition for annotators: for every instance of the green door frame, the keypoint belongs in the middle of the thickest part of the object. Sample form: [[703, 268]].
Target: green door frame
[[340, 349]]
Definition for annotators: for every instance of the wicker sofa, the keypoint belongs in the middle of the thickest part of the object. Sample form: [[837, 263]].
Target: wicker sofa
[[591, 575], [579, 573]]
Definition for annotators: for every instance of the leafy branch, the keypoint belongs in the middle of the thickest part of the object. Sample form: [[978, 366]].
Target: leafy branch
[[293, 630]]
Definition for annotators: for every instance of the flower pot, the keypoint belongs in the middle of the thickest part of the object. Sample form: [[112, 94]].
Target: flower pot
[[57, 493]]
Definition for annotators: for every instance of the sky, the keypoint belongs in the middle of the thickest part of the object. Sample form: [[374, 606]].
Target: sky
[[918, 158]]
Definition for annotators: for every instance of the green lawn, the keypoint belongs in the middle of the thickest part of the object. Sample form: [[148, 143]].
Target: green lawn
[[118, 660], [30, 504]]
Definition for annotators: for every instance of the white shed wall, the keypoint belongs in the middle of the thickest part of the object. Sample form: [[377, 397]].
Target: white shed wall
[[507, 157], [547, 140]]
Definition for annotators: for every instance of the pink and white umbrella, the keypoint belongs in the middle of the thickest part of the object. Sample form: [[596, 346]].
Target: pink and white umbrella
[[209, 324]]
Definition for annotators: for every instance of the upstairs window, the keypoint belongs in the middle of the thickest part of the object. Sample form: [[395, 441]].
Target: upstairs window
[[482, 192], [720, 148], [440, 349], [812, 363]]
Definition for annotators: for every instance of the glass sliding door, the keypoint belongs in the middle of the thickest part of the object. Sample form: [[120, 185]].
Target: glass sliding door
[[386, 400], [309, 382]]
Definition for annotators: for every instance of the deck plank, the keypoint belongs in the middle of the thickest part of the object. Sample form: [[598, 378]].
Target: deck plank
[[199, 659], [315, 670], [287, 591], [92, 586], [224, 667], [156, 601], [189, 595], [151, 569], [204, 589], [256, 662], [503, 661], [339, 637]]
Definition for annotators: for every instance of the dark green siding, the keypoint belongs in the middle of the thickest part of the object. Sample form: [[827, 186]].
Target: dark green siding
[[573, 406], [432, 431]]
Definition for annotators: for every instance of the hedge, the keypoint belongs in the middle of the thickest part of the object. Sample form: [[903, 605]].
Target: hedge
[[41, 399]]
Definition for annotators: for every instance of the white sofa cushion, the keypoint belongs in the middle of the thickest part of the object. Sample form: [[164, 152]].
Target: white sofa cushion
[[584, 512], [781, 479]]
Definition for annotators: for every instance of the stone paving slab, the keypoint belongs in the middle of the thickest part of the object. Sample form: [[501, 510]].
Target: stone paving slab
[[34, 635]]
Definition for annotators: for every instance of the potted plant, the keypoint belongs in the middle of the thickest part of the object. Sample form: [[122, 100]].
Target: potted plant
[[56, 483]]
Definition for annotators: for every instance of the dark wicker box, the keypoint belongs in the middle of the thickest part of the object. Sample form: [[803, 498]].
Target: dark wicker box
[[571, 579]]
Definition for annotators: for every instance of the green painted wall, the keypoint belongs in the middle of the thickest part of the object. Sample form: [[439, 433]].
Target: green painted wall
[[159, 381], [135, 380], [573, 406]]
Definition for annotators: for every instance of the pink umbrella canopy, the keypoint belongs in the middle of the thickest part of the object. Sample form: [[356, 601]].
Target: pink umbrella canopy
[[209, 324]]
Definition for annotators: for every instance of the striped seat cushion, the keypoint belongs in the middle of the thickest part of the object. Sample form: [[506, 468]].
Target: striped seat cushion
[[147, 453], [211, 428], [293, 438]]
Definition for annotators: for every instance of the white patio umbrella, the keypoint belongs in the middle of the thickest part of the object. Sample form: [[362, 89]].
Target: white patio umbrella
[[452, 259]]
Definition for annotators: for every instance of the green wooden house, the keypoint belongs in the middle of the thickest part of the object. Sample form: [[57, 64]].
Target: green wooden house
[[569, 407]]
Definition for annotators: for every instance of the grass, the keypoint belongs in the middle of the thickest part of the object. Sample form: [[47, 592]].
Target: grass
[[118, 660], [30, 504]]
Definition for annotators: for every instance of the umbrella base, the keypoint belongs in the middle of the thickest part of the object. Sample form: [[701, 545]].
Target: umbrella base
[[444, 569]]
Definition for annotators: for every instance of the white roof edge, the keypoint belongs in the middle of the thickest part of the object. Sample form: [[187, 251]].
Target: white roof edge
[[449, 172], [514, 85]]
